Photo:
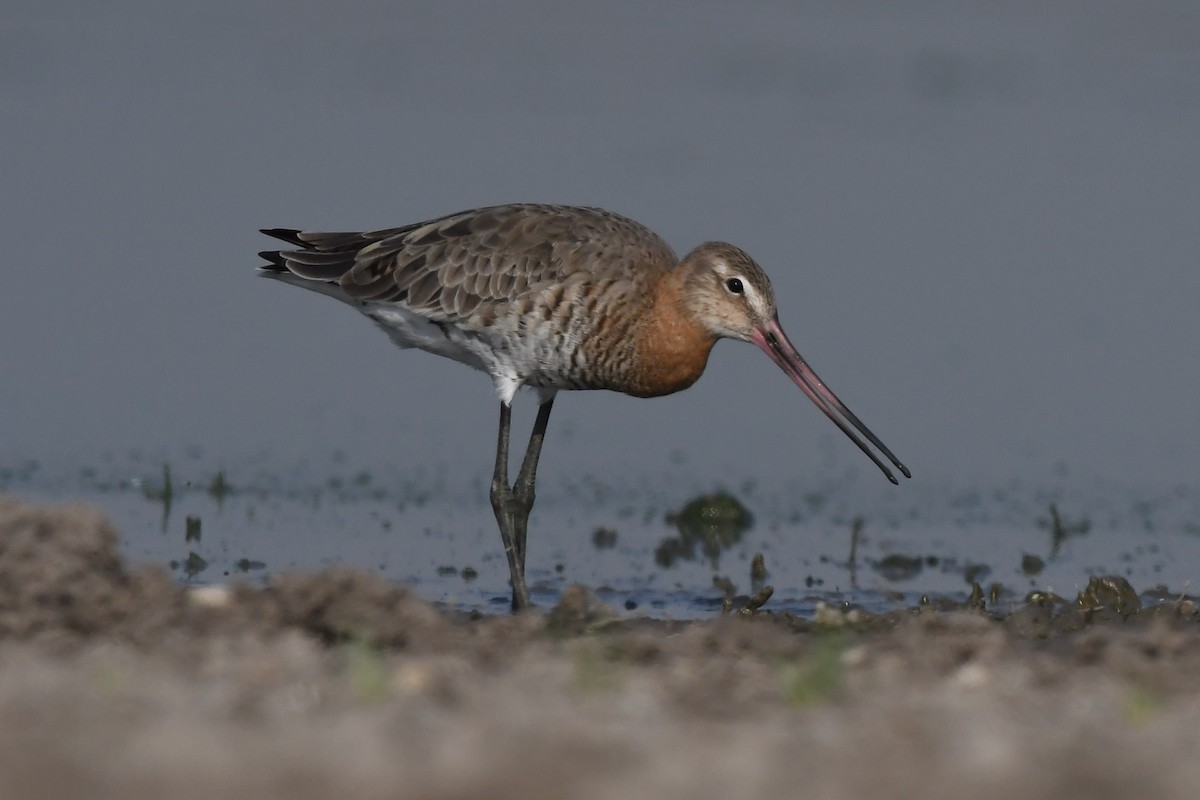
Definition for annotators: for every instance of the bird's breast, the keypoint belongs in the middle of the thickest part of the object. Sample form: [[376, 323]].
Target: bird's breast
[[639, 340], [670, 354]]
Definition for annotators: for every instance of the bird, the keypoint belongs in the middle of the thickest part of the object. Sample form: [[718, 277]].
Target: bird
[[554, 298]]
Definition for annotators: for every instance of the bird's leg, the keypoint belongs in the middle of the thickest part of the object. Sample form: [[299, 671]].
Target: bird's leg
[[523, 488], [504, 506]]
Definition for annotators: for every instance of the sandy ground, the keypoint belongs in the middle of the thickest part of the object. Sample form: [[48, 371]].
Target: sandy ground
[[117, 683]]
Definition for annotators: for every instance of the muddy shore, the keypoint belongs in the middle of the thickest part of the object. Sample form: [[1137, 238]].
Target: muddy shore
[[117, 682]]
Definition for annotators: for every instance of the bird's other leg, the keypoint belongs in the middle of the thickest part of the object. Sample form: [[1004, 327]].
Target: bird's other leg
[[504, 506], [523, 494]]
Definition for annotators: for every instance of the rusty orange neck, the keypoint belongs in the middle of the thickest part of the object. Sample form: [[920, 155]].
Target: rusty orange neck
[[672, 348]]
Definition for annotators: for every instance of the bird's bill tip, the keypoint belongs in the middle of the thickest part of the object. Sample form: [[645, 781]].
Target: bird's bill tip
[[771, 339]]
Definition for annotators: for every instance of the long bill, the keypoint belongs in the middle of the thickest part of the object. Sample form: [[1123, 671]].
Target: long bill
[[774, 342]]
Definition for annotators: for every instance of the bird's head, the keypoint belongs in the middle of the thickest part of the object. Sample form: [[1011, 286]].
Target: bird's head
[[725, 291]]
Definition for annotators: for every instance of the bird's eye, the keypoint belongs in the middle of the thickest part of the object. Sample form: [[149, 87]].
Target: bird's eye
[[734, 285]]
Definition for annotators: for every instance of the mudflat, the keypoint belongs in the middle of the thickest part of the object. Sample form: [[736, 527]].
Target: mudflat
[[116, 682]]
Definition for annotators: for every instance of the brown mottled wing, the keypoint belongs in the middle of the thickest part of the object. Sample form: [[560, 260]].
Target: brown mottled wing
[[449, 268]]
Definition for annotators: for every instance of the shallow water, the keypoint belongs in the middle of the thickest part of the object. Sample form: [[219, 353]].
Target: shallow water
[[438, 535]]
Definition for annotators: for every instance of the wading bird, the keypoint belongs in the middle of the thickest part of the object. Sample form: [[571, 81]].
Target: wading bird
[[553, 298]]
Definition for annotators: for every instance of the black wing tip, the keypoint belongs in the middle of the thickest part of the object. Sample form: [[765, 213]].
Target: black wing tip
[[289, 235], [276, 259], [278, 262]]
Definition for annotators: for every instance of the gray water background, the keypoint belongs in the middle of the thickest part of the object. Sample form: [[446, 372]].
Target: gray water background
[[982, 222]]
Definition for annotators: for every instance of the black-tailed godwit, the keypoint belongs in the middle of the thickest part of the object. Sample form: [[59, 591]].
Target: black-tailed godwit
[[554, 297]]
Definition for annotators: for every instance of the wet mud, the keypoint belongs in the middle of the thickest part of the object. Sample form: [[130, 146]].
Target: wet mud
[[116, 681]]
